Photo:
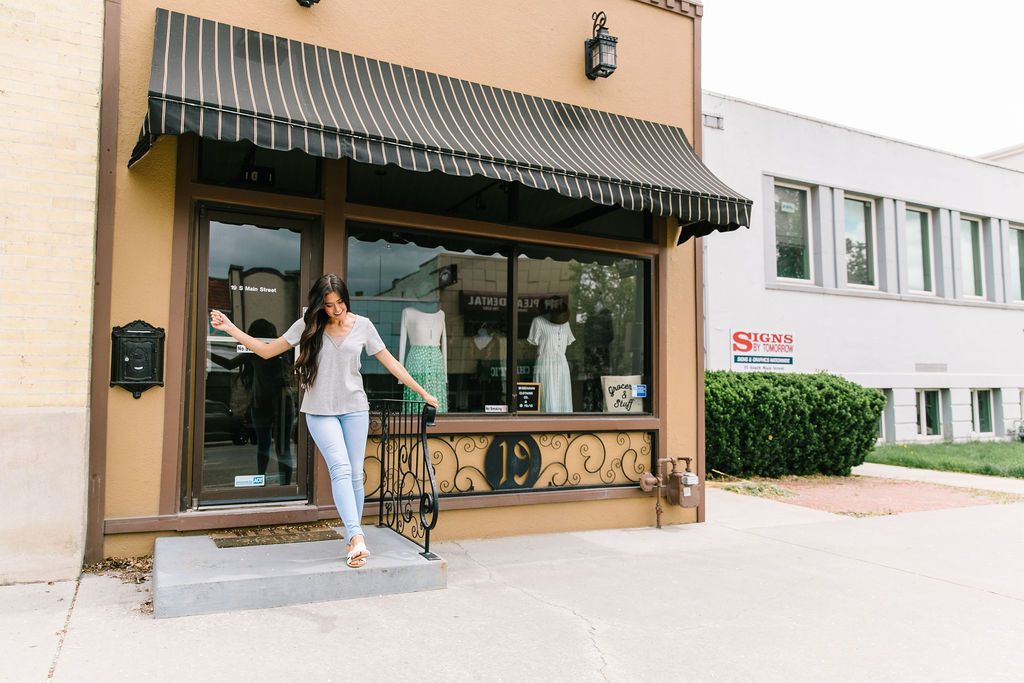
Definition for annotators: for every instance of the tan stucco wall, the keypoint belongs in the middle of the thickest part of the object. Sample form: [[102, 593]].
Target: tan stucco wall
[[532, 46], [51, 54]]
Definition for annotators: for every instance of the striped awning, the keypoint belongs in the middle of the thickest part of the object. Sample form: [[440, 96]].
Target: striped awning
[[228, 83]]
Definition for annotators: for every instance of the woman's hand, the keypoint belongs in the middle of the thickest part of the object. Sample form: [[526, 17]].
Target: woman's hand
[[430, 400], [219, 321]]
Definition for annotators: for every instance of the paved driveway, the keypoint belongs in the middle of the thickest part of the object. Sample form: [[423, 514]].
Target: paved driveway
[[765, 591]]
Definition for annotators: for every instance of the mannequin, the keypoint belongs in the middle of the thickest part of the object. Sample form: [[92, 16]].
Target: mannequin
[[479, 368], [552, 369], [428, 353]]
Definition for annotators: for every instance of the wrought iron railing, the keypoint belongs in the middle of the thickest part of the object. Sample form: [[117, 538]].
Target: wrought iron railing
[[407, 492]]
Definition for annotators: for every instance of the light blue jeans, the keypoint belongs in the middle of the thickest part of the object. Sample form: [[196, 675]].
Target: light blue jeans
[[342, 440]]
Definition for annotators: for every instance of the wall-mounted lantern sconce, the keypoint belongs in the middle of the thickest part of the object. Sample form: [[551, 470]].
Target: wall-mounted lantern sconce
[[307, 3], [137, 357], [599, 51]]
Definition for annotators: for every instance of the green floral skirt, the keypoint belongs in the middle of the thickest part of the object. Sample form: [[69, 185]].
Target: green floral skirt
[[426, 365]]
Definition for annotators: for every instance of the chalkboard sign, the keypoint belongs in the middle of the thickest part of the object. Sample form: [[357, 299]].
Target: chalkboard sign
[[528, 397]]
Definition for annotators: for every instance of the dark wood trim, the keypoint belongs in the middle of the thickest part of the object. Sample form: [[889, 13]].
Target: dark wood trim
[[214, 519], [177, 332], [335, 237], [684, 7], [540, 498], [251, 199], [502, 424], [217, 519], [334, 260], [422, 221], [106, 198], [659, 290], [512, 324]]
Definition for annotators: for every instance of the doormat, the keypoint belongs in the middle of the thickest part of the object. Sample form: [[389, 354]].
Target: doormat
[[274, 535]]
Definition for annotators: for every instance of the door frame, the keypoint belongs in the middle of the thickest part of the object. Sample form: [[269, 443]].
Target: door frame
[[310, 228]]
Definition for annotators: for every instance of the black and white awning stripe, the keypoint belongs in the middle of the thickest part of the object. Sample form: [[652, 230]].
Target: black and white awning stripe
[[229, 83]]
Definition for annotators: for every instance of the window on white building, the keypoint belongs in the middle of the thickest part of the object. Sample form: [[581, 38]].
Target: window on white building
[[885, 426], [919, 251], [972, 262], [1017, 245], [792, 233], [929, 412], [860, 242], [981, 411]]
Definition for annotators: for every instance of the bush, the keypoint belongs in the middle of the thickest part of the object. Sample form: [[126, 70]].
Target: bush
[[769, 425]]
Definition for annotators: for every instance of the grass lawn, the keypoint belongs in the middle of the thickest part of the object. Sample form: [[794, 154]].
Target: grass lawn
[[1000, 458]]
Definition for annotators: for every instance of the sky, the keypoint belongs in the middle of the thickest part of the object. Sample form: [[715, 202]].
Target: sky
[[943, 74]]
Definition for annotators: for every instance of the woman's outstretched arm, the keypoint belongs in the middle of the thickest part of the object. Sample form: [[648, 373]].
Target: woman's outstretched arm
[[263, 349], [399, 371]]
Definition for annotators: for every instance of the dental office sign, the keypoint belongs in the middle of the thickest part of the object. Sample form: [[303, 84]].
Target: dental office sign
[[761, 350]]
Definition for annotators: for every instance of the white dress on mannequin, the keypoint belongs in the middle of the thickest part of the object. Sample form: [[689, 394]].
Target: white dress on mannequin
[[552, 369], [428, 353]]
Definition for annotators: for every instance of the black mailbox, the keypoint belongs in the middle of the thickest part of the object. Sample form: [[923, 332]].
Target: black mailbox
[[137, 357]]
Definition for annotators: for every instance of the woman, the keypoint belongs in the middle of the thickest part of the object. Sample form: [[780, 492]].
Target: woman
[[331, 338]]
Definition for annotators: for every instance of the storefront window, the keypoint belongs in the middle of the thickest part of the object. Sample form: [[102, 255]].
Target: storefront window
[[584, 347], [494, 201], [441, 305]]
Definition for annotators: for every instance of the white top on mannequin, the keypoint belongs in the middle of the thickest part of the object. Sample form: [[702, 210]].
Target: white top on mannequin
[[423, 329]]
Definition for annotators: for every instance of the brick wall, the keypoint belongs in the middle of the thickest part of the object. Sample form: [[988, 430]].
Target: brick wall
[[50, 61]]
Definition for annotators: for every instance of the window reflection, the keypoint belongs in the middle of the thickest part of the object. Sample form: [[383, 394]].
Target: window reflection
[[583, 344], [792, 252], [441, 303], [249, 422]]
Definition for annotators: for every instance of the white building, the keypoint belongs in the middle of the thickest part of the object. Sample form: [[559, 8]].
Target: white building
[[896, 266], [1011, 157]]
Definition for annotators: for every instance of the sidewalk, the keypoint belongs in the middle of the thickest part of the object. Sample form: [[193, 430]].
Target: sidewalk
[[764, 591], [958, 479]]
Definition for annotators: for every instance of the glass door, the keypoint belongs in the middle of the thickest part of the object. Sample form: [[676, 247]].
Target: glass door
[[248, 445]]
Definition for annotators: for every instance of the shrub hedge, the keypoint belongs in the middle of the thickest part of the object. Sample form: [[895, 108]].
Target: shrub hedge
[[773, 424]]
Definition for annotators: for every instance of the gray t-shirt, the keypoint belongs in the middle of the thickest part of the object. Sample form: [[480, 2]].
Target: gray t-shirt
[[338, 388]]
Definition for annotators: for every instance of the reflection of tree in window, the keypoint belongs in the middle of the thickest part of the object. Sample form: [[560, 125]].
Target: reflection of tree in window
[[791, 254], [860, 257], [859, 270], [609, 304]]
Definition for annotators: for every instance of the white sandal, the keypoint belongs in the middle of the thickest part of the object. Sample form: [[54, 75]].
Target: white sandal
[[356, 557]]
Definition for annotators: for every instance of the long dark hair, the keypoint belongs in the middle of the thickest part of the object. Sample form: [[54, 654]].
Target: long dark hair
[[316, 320], [259, 328]]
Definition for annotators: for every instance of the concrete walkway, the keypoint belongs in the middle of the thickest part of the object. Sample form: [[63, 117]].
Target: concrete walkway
[[764, 591], [958, 479]]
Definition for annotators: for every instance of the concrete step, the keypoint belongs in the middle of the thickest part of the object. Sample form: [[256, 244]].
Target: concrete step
[[191, 575]]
